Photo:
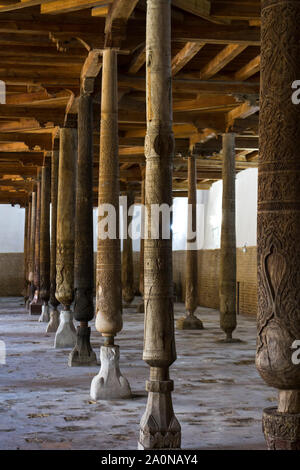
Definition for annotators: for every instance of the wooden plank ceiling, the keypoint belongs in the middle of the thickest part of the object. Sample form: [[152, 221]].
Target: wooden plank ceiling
[[44, 45]]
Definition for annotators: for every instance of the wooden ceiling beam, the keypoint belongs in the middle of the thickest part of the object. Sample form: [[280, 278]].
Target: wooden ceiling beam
[[221, 60], [58, 7], [138, 60], [248, 70], [185, 55], [239, 10], [44, 141]]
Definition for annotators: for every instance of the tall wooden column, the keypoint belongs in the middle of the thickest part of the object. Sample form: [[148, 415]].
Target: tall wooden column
[[140, 307], [82, 354], [66, 334], [26, 234], [278, 227], [28, 255], [54, 314], [31, 249], [45, 243], [109, 383], [190, 321], [127, 257], [227, 276], [35, 307], [159, 428]]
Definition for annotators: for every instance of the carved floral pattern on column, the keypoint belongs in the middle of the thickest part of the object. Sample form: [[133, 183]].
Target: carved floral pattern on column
[[279, 196]]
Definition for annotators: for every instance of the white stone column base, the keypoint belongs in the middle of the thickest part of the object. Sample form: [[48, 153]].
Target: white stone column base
[[110, 384], [45, 315], [54, 322], [66, 334]]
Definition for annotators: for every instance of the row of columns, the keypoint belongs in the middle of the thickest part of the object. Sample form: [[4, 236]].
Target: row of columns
[[278, 230]]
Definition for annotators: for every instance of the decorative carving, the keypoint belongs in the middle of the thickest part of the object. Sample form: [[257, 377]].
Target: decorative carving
[[281, 430], [278, 229], [279, 197], [159, 427], [65, 217], [127, 257]]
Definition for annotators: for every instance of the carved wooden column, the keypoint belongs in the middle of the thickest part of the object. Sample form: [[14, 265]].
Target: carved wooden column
[[26, 234], [35, 307], [82, 354], [109, 383], [66, 334], [190, 321], [279, 221], [31, 249], [159, 428], [45, 243], [140, 307], [28, 248], [127, 256], [227, 276], [54, 314]]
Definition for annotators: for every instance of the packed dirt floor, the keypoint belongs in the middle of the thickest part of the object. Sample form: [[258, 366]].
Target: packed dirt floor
[[45, 404]]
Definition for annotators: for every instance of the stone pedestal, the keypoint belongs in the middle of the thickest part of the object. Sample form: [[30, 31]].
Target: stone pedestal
[[66, 334], [35, 307], [45, 315], [159, 428], [53, 322], [82, 354], [190, 322], [110, 384], [281, 430]]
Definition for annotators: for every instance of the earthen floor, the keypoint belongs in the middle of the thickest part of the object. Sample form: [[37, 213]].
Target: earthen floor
[[45, 404]]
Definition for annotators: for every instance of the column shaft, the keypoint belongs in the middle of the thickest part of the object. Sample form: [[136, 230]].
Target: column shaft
[[45, 236], [278, 230], [26, 225], [37, 237], [65, 217], [32, 245], [159, 427], [109, 383], [190, 321], [140, 307], [54, 190], [109, 297], [66, 333], [227, 275], [83, 354], [127, 257]]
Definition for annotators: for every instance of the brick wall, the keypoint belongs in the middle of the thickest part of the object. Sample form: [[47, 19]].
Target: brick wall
[[11, 277]]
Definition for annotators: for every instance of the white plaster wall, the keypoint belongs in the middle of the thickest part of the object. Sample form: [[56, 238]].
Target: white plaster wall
[[246, 211], [11, 229], [209, 218]]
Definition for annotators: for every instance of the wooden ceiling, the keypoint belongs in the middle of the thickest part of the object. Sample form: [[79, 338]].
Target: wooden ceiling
[[44, 46]]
